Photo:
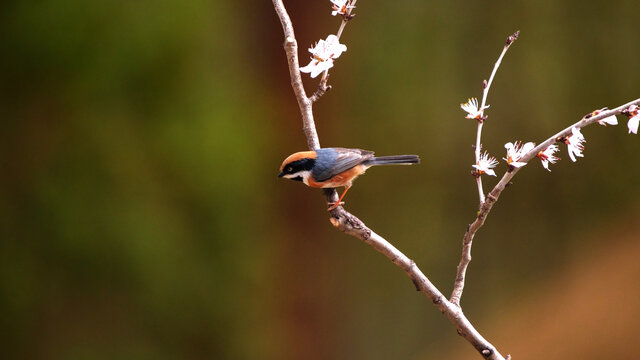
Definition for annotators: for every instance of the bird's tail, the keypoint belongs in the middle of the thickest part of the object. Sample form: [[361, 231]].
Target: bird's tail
[[393, 160]]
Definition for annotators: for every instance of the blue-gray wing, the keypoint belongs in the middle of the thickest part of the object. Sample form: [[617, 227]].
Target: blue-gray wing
[[333, 161]]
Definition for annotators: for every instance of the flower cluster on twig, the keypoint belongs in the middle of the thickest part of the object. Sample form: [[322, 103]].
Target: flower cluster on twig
[[516, 151], [341, 7], [326, 51]]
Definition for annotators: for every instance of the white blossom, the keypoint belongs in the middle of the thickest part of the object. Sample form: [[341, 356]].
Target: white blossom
[[611, 120], [546, 156], [471, 107], [323, 54], [516, 151], [633, 124], [575, 144], [634, 118], [486, 164], [341, 7]]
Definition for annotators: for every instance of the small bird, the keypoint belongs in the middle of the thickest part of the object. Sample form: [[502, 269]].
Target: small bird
[[336, 167]]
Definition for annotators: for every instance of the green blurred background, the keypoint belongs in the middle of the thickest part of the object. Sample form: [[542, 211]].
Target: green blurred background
[[141, 216]]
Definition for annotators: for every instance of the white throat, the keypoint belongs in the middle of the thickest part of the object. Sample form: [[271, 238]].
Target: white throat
[[305, 175]]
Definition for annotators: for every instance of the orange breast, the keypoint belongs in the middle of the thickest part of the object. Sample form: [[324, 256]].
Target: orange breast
[[343, 179]]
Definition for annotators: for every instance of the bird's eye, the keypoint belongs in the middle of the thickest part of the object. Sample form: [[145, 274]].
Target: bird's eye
[[289, 169]]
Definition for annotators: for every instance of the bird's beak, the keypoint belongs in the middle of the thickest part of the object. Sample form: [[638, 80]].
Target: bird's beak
[[281, 174]]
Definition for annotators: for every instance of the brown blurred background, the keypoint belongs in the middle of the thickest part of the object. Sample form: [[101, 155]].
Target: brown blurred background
[[141, 216]]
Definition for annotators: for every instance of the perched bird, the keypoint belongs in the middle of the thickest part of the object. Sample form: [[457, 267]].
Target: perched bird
[[336, 167]]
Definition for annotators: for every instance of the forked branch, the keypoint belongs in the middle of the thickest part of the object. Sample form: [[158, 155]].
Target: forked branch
[[353, 226], [494, 194]]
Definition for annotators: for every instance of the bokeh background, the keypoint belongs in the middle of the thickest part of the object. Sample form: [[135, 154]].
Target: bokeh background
[[141, 216]]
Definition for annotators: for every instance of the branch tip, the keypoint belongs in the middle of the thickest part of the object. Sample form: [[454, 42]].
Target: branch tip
[[512, 38]]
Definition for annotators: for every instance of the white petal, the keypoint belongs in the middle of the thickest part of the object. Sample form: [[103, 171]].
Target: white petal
[[574, 151], [322, 66], [309, 68], [633, 124], [518, 164], [338, 50], [471, 107], [332, 40], [490, 172], [339, 3], [611, 120], [577, 133], [316, 67], [527, 147]]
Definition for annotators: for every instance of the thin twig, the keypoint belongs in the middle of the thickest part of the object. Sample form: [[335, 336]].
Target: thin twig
[[350, 224], [485, 92], [478, 148], [346, 17], [494, 194], [458, 287], [322, 86]]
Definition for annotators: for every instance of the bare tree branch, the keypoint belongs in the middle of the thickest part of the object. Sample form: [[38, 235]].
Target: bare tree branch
[[494, 194], [291, 49]]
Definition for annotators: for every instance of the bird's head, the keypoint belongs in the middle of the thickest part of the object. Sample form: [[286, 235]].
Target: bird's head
[[298, 166]]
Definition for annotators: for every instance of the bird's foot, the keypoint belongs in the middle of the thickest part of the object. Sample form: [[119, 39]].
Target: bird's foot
[[335, 205]]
